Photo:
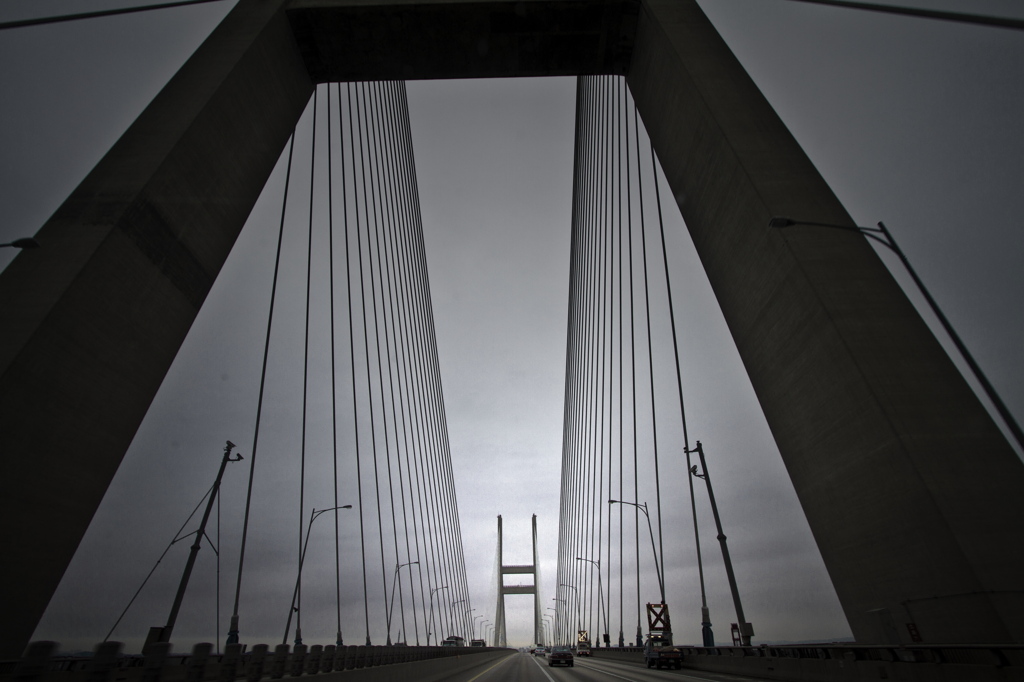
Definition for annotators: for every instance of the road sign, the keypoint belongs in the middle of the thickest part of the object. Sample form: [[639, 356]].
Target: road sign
[[657, 618]]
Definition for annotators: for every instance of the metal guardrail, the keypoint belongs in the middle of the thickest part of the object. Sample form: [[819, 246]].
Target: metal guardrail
[[978, 654], [107, 663], [968, 654]]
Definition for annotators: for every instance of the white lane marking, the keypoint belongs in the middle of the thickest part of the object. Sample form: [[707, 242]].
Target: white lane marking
[[688, 675], [491, 668], [543, 670], [605, 672]]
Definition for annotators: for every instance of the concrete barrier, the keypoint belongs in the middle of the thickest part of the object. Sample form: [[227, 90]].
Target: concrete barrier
[[154, 661], [429, 670], [401, 664], [196, 663], [255, 666], [280, 662], [327, 659], [36, 662], [297, 664]]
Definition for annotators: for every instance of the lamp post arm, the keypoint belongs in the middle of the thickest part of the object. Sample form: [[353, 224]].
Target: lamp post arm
[[602, 609], [391, 602], [430, 618], [661, 583], [654, 547], [298, 578], [391, 605], [313, 514]]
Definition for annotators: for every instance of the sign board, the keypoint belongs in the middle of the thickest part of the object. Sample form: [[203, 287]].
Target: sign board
[[657, 618], [583, 636]]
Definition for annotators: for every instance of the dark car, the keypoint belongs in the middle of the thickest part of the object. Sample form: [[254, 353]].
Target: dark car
[[560, 654]]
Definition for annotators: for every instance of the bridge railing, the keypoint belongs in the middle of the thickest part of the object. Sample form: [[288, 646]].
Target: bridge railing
[[825, 662], [107, 663]]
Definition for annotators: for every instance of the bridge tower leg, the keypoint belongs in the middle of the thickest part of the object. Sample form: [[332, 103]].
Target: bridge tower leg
[[499, 611], [92, 324], [538, 623]]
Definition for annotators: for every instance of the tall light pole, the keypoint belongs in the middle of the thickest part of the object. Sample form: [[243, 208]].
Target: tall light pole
[[600, 598], [455, 615], [466, 622], [554, 621], [563, 630], [394, 583], [483, 628], [643, 507], [882, 235], [746, 629], [579, 617], [298, 578], [431, 619], [473, 632]]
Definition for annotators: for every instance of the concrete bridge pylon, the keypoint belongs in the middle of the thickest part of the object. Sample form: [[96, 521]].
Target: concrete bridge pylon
[[500, 632]]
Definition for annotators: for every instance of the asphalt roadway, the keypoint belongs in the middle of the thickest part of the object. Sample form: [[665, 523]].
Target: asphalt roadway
[[524, 667]]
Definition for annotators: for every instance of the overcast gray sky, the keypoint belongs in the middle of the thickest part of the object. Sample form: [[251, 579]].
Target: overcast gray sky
[[917, 123]]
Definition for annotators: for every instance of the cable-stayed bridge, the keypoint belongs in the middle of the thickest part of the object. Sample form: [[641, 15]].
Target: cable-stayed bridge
[[598, 226]]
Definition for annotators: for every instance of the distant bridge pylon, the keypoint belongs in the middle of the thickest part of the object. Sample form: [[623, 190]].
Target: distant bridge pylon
[[500, 638]]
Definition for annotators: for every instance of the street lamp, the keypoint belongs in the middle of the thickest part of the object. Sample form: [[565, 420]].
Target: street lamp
[[579, 618], [746, 630], [554, 621], [473, 631], [431, 619], [600, 599], [394, 584], [483, 629], [298, 579], [882, 235], [455, 613], [562, 634], [23, 243], [643, 507], [657, 570]]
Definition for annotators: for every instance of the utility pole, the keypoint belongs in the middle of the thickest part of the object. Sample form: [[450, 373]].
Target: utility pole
[[745, 628], [157, 634]]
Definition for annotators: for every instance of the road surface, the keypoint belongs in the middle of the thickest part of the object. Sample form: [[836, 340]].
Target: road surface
[[522, 667]]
